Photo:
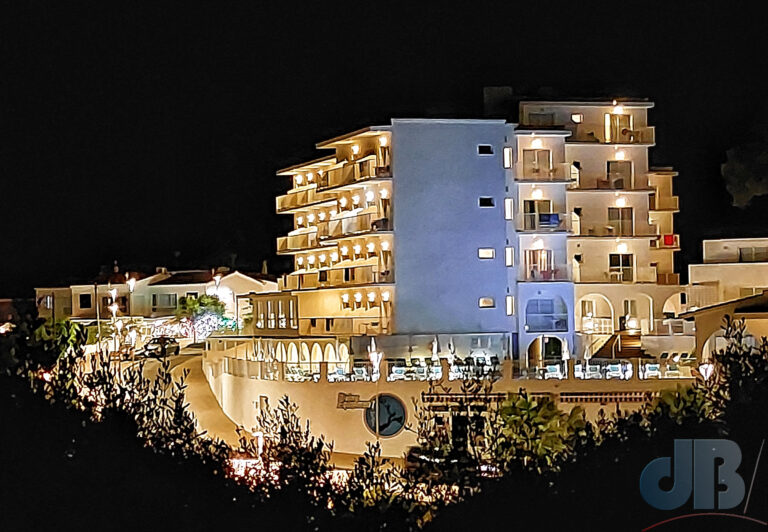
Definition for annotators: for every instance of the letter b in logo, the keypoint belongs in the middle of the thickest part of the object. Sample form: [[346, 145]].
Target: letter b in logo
[[695, 471]]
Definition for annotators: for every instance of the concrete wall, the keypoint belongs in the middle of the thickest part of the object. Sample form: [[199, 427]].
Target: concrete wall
[[728, 250], [439, 226], [730, 278]]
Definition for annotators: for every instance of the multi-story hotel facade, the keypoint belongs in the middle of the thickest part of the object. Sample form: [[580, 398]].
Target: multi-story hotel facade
[[441, 250]]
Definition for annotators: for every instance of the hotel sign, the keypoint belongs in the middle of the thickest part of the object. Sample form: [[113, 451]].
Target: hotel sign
[[348, 401]]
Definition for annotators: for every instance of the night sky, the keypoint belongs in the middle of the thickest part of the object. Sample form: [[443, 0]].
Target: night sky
[[150, 134]]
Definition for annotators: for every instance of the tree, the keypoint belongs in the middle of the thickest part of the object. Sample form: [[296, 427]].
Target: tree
[[198, 309]]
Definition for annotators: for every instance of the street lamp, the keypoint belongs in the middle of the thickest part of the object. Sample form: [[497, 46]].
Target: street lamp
[[131, 282]]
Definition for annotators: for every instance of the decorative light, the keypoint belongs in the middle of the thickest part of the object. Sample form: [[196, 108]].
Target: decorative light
[[537, 193], [345, 298], [371, 296], [344, 250], [355, 149], [356, 199], [334, 256], [385, 245], [310, 177], [383, 193], [613, 102], [621, 201], [46, 375], [620, 155], [113, 294], [369, 196], [299, 179], [333, 212], [621, 248], [311, 259], [311, 217], [618, 109], [632, 323], [371, 247], [358, 297], [357, 248], [385, 295], [342, 202], [536, 144], [300, 220], [300, 261], [322, 257], [321, 216], [131, 284], [383, 140], [320, 173]]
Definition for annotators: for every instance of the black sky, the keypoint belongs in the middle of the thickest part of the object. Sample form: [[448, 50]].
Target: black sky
[[149, 132]]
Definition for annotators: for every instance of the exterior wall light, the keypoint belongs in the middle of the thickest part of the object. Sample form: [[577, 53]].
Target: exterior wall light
[[311, 218], [299, 179], [334, 256], [621, 248], [300, 261], [383, 140], [383, 193], [618, 110], [310, 177], [632, 323], [385, 245], [371, 296], [621, 201], [355, 149], [300, 220], [342, 202], [357, 248], [369, 196], [311, 259], [321, 216], [322, 258], [620, 155], [385, 295], [333, 212], [537, 193], [356, 199], [344, 251], [371, 247], [536, 144]]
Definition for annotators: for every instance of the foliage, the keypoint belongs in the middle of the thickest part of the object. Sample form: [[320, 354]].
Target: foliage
[[745, 171], [194, 307]]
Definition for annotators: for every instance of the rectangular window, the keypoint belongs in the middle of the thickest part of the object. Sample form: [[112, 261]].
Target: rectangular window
[[577, 118], [620, 218], [486, 253], [541, 119], [587, 308], [163, 301], [85, 301], [537, 163], [510, 305], [486, 302], [620, 267], [484, 149], [192, 295], [509, 256], [509, 208], [486, 201], [509, 157], [619, 174]]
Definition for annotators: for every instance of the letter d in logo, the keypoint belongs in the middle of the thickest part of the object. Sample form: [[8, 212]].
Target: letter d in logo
[[662, 468]]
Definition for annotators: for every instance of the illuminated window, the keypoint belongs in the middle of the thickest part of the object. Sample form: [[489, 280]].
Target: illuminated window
[[509, 208], [486, 201], [510, 305], [577, 118], [486, 253], [509, 157], [484, 149], [486, 302], [509, 256]]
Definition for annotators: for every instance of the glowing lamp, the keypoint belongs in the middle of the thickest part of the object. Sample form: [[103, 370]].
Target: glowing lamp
[[621, 201], [537, 193], [385, 295], [345, 298], [620, 155], [321, 216], [300, 261], [369, 196], [371, 296], [311, 218], [383, 193], [334, 256], [371, 247], [355, 149], [618, 109], [357, 248], [299, 179], [311, 259], [385, 245], [706, 370], [358, 297], [632, 323], [113, 294], [344, 250], [536, 144], [383, 140], [322, 257], [343, 202], [310, 177], [333, 212], [131, 284], [537, 244], [621, 248], [356, 199], [300, 220]]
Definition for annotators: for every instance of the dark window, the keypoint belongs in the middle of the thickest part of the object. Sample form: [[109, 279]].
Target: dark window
[[484, 149], [85, 301], [486, 201]]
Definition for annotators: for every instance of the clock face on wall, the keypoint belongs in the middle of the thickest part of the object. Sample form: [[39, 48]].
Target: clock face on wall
[[391, 418]]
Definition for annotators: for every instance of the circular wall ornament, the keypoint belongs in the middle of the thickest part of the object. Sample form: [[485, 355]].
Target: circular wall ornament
[[391, 419]]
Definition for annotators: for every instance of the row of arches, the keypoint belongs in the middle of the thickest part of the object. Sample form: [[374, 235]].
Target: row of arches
[[595, 313], [303, 353]]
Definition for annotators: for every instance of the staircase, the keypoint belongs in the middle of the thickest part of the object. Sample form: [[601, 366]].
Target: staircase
[[621, 345]]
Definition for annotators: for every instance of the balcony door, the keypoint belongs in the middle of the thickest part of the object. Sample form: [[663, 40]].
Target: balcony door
[[621, 219], [537, 163], [621, 267], [619, 174], [618, 128], [539, 264], [531, 211]]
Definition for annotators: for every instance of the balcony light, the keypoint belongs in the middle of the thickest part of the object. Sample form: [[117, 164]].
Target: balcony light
[[344, 251], [383, 193], [321, 216], [618, 109], [385, 295], [333, 212], [358, 297], [356, 199], [536, 144], [300, 220], [342, 202], [537, 194], [620, 155], [369, 196], [371, 296], [355, 149], [311, 218], [385, 245], [357, 248], [300, 261], [322, 257], [319, 173], [334, 257], [383, 140], [310, 177], [299, 179], [371, 247], [345, 298], [621, 201], [621, 248], [311, 259]]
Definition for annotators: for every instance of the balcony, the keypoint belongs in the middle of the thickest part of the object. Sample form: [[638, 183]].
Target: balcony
[[619, 276], [368, 325], [668, 241], [293, 243], [595, 134], [335, 278], [544, 222], [556, 272], [610, 230], [352, 172], [297, 199], [353, 225], [664, 203], [559, 173]]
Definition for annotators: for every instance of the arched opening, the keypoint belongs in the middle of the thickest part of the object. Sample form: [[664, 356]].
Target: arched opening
[[278, 352], [673, 305], [293, 354], [636, 313], [316, 358], [545, 350], [594, 314], [343, 353]]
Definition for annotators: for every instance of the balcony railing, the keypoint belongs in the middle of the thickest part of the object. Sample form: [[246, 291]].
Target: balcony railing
[[338, 277], [351, 172], [664, 203], [541, 222], [607, 230], [556, 272], [669, 241], [560, 172], [361, 223], [293, 200], [619, 275], [587, 133], [286, 244]]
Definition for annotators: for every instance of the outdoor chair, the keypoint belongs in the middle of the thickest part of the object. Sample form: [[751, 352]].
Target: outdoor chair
[[652, 370], [673, 370], [664, 357], [359, 374], [614, 370], [435, 372], [397, 374], [338, 375], [420, 372], [553, 371]]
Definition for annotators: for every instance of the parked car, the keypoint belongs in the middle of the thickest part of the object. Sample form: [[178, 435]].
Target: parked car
[[161, 346]]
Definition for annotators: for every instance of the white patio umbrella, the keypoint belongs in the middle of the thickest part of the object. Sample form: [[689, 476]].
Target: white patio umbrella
[[375, 357], [435, 350]]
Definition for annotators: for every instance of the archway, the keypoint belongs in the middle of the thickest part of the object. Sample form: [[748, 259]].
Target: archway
[[293, 353], [673, 305], [594, 314], [343, 353], [316, 358], [545, 350]]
